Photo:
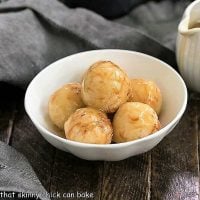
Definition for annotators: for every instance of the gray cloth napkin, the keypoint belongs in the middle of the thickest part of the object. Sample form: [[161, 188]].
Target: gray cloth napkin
[[34, 33], [16, 175]]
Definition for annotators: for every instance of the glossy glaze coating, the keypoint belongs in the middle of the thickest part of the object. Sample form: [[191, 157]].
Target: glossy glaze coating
[[64, 102], [105, 86], [88, 125], [146, 91], [134, 120]]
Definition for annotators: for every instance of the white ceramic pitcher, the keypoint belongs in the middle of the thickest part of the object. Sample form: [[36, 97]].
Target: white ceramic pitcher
[[188, 46]]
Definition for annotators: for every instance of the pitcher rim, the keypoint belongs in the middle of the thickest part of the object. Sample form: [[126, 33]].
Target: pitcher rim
[[183, 25]]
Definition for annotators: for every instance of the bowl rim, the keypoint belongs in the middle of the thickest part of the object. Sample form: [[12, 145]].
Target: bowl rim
[[115, 145]]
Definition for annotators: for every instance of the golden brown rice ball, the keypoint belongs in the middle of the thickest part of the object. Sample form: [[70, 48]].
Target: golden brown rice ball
[[64, 102], [105, 86], [88, 125], [147, 92], [134, 120]]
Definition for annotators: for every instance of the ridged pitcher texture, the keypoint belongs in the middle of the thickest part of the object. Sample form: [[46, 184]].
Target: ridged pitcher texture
[[188, 46]]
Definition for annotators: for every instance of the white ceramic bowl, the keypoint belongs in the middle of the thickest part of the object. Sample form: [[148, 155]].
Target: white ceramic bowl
[[71, 69]]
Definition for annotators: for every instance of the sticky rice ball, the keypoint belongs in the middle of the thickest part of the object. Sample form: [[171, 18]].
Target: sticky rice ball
[[105, 86], [89, 125], [147, 92], [64, 102], [134, 120]]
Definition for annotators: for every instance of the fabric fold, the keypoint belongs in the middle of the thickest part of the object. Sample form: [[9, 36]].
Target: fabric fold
[[17, 175], [78, 27]]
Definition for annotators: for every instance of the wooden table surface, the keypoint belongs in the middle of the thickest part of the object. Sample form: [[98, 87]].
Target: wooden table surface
[[169, 171]]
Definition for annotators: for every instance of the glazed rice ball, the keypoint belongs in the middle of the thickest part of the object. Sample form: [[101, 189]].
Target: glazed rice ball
[[64, 102], [134, 120], [88, 125], [105, 86], [147, 92]]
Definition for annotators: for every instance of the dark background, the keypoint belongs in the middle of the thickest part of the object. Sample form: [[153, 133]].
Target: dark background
[[110, 9]]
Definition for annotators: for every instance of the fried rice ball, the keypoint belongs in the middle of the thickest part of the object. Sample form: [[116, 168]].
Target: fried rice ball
[[64, 102], [105, 86], [88, 125], [147, 92], [134, 120]]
